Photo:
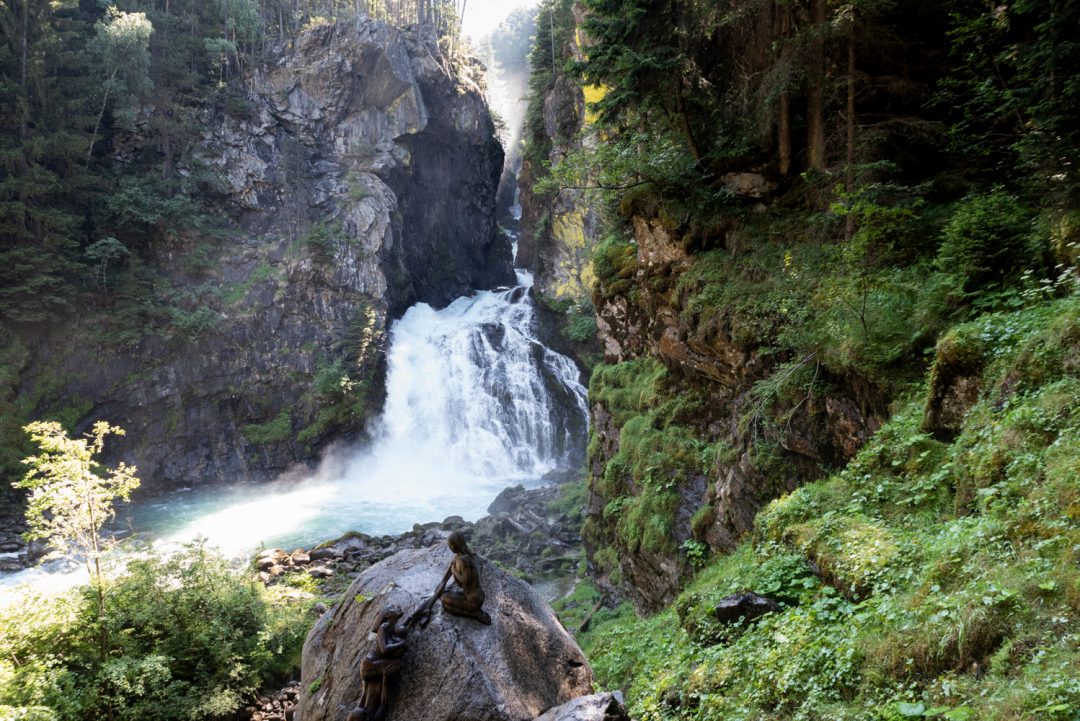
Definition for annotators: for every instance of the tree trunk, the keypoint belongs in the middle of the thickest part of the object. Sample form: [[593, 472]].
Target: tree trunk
[[815, 142], [101, 114], [783, 125], [849, 169], [24, 121], [684, 123]]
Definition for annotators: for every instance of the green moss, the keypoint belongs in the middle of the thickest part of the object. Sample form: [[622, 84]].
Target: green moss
[[659, 451], [926, 579], [276, 430]]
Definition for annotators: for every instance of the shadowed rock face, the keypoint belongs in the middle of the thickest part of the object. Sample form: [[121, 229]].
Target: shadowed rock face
[[361, 130], [520, 666]]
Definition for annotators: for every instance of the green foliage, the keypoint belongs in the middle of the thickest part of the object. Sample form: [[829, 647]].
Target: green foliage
[[987, 243], [192, 324], [615, 264], [342, 386], [1014, 87], [510, 41], [104, 254], [188, 639], [69, 501], [554, 29], [659, 452], [925, 580], [276, 430], [322, 240]]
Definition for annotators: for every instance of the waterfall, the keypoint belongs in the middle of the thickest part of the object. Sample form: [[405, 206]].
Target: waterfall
[[471, 389], [475, 403]]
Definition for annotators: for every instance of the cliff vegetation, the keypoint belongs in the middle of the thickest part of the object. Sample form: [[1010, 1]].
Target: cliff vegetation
[[835, 257]]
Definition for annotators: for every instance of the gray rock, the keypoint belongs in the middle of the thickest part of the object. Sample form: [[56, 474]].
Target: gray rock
[[357, 125], [521, 665], [607, 706], [744, 606]]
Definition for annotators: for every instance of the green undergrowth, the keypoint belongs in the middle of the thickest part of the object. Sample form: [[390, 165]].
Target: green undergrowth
[[181, 637], [660, 450], [928, 579]]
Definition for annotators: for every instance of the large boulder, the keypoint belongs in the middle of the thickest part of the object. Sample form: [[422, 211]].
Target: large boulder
[[520, 666]]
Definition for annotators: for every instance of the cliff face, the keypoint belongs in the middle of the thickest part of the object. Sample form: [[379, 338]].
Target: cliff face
[[687, 464], [559, 227], [753, 448], [359, 178]]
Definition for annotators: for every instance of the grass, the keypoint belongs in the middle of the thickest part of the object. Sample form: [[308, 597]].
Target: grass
[[928, 579]]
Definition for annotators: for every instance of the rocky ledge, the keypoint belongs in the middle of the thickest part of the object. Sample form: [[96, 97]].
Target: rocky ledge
[[527, 531]]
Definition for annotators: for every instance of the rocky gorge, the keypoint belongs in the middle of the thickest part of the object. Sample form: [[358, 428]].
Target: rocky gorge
[[357, 177]]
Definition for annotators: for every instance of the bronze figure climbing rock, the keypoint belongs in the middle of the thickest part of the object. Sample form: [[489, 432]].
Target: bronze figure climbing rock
[[380, 666]]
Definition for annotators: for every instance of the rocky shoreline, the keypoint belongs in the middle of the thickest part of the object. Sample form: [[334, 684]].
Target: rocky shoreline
[[532, 533]]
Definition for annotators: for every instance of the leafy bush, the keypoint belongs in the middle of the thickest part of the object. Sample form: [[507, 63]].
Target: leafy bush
[[192, 324], [581, 322], [987, 242], [183, 637]]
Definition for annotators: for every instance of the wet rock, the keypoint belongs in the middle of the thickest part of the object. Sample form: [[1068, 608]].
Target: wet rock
[[522, 664], [509, 500], [746, 606]]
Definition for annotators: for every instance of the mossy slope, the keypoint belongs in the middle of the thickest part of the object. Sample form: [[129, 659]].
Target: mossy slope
[[928, 579]]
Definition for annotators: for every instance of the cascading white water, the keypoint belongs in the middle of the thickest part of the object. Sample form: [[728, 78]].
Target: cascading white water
[[475, 403], [468, 392]]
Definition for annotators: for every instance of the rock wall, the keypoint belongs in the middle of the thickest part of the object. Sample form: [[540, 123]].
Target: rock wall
[[718, 507], [650, 319], [559, 227], [358, 178]]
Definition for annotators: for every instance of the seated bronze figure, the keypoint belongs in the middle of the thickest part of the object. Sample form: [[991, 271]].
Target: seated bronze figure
[[468, 598]]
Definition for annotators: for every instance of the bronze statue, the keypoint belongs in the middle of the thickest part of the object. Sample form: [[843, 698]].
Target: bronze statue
[[380, 665], [468, 598]]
